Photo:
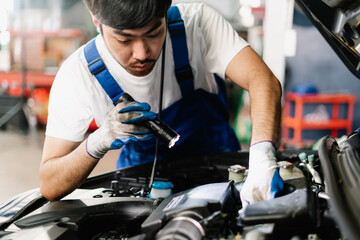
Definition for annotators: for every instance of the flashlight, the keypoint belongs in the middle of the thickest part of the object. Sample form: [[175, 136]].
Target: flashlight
[[159, 128]]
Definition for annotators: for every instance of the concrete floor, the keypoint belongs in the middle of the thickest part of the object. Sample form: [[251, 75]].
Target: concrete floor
[[20, 157]]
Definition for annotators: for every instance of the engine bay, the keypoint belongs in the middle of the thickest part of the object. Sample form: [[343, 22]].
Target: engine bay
[[204, 203]]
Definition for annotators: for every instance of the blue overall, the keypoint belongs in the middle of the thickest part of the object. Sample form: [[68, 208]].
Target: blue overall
[[201, 118]]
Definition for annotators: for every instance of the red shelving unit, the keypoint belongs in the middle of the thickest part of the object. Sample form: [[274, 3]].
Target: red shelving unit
[[297, 122]]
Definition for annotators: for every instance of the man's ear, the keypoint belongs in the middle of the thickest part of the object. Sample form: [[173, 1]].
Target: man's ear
[[95, 21]]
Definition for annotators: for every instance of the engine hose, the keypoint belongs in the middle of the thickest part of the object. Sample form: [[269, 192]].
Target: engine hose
[[181, 227]]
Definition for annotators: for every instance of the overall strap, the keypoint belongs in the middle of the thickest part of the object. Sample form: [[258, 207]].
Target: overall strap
[[102, 74], [183, 70]]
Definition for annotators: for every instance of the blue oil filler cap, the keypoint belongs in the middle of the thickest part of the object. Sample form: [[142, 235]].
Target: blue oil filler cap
[[161, 189]]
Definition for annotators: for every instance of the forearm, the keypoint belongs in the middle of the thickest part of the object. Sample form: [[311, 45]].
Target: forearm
[[250, 72], [61, 175], [265, 99]]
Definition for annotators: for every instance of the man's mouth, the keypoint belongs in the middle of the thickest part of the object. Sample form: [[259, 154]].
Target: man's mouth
[[142, 67]]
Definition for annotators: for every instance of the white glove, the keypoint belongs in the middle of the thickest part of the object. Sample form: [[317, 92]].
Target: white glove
[[122, 125], [263, 181]]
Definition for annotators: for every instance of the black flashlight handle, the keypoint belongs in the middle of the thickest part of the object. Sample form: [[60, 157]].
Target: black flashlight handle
[[163, 131], [166, 134]]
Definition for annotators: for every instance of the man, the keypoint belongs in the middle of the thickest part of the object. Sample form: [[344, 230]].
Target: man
[[128, 56]]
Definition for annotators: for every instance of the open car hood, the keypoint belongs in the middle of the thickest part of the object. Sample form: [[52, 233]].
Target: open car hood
[[338, 22]]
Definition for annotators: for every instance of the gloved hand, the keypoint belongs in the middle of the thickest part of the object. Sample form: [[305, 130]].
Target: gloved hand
[[263, 181], [121, 126]]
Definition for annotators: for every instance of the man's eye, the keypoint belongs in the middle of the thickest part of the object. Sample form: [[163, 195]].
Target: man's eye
[[123, 41], [154, 35]]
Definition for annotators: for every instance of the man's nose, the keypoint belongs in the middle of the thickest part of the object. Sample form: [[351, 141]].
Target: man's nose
[[140, 50]]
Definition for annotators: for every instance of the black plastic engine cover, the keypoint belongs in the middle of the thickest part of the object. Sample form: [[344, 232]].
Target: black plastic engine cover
[[198, 202]]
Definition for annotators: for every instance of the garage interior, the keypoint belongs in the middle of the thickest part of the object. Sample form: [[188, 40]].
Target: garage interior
[[320, 93]]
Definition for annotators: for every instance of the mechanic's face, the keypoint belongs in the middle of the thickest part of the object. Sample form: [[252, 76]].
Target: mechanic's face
[[136, 49]]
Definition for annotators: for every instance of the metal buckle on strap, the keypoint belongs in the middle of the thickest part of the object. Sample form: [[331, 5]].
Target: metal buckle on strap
[[183, 74], [176, 26], [98, 67]]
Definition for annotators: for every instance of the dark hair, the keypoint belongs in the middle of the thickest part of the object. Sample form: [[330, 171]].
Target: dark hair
[[127, 14]]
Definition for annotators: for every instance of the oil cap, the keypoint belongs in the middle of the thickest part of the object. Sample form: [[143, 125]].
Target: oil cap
[[236, 173], [286, 169]]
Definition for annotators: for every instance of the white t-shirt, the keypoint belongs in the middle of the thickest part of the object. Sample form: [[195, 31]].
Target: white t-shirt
[[77, 97]]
